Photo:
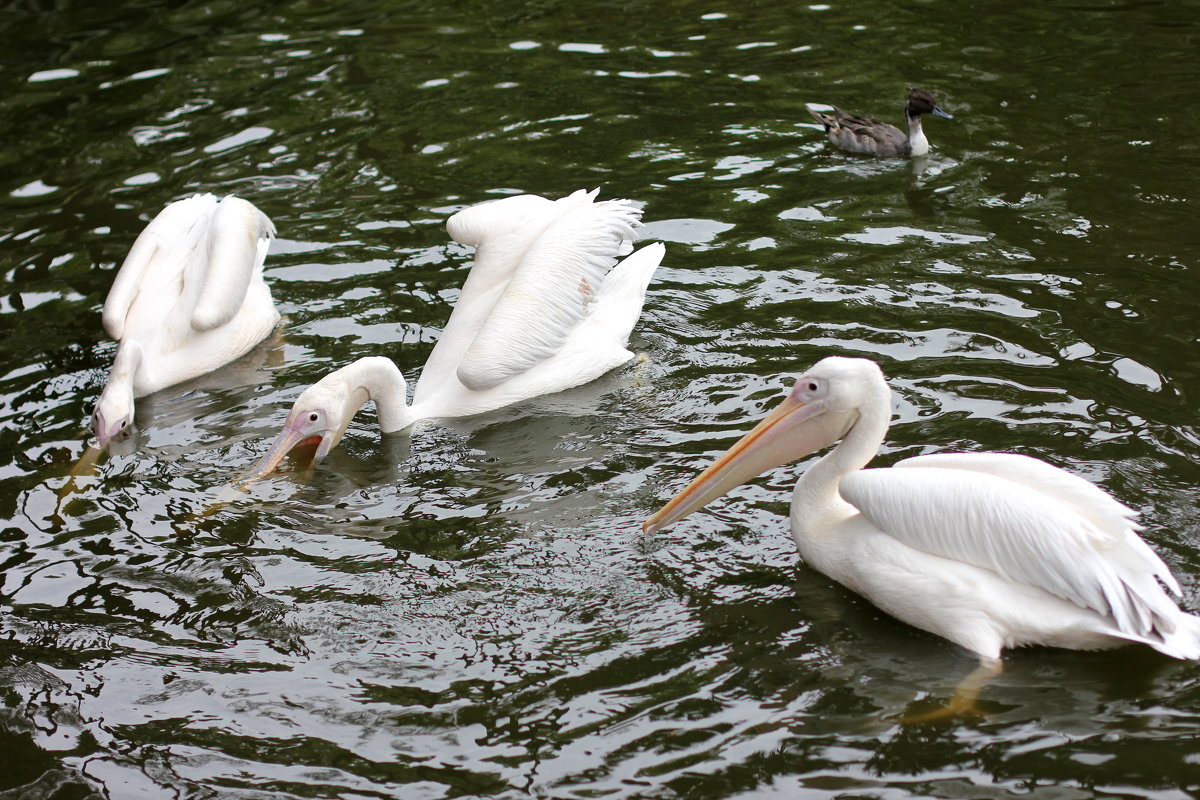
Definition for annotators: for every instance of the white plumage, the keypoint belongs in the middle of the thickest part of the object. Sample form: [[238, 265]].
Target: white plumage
[[987, 550], [543, 309], [189, 298]]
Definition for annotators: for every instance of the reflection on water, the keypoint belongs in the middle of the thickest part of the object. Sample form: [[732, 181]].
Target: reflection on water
[[470, 610]]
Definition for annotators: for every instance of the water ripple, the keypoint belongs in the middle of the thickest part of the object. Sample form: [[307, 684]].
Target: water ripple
[[470, 609]]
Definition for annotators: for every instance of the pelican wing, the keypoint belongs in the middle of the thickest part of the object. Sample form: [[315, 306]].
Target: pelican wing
[[1029, 530], [550, 291], [238, 237], [501, 232], [1114, 519], [1085, 497], [127, 283], [181, 224], [617, 305]]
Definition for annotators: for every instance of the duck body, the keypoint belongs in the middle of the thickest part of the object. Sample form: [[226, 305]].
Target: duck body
[[871, 137], [989, 551], [545, 307], [189, 298]]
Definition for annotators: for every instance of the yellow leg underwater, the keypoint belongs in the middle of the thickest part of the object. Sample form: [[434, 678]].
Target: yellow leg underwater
[[962, 702], [85, 467]]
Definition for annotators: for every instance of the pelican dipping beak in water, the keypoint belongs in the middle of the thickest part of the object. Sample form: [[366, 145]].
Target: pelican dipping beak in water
[[988, 550], [544, 308], [189, 298]]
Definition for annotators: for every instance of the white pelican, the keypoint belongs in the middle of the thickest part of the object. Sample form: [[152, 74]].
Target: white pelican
[[543, 309], [989, 550], [189, 298]]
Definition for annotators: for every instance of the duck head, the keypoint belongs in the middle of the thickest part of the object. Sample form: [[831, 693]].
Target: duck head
[[922, 102]]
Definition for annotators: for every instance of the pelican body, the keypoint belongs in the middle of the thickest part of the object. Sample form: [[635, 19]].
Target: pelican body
[[988, 550], [189, 298], [874, 138], [544, 308]]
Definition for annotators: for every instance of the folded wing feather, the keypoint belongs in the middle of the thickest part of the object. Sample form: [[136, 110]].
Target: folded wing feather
[[238, 237], [1023, 533], [549, 293], [156, 249], [1114, 522]]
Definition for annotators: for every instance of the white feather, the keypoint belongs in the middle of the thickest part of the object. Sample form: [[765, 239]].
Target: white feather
[[155, 264], [618, 303], [501, 231], [188, 298], [1082, 495], [239, 235], [521, 328], [550, 291], [987, 550], [1024, 534]]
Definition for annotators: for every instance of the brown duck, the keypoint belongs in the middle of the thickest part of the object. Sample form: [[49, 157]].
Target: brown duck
[[873, 138]]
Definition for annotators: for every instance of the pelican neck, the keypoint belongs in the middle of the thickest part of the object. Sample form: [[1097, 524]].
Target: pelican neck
[[856, 449], [383, 383]]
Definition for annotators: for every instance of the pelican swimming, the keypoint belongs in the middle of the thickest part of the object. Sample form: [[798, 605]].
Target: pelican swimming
[[543, 309], [989, 550], [189, 298], [874, 138]]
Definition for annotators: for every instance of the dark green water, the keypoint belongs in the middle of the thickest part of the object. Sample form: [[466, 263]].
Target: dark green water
[[470, 610]]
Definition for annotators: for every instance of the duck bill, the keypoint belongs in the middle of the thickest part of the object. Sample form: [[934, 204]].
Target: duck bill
[[788, 433], [937, 112]]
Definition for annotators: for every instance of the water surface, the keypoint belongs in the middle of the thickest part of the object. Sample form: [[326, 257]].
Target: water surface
[[470, 610]]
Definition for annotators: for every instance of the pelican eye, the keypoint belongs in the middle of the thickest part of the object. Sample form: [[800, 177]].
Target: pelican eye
[[313, 417], [812, 386], [123, 424]]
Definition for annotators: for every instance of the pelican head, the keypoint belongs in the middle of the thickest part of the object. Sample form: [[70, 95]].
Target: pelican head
[[820, 409], [323, 411], [113, 418]]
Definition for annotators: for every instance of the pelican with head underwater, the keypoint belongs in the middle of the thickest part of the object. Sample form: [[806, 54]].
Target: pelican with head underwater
[[189, 298], [988, 550], [547, 305]]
